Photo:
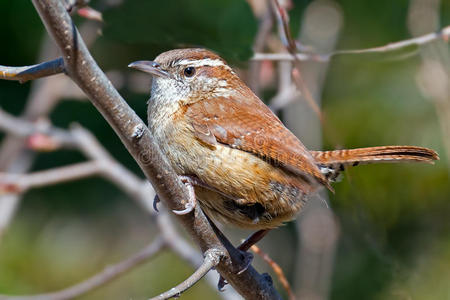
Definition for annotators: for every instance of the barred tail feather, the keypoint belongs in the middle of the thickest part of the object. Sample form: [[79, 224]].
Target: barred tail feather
[[331, 162]]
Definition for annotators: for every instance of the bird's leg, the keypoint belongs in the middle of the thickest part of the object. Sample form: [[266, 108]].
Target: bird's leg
[[253, 239], [247, 256], [242, 258]]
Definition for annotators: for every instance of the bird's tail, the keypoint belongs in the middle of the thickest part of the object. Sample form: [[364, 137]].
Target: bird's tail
[[332, 162]]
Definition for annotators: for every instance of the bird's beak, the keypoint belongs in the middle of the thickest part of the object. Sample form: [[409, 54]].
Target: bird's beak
[[149, 67]]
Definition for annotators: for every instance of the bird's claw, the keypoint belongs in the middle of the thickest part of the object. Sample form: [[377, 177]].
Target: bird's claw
[[221, 284], [189, 207], [247, 259], [156, 200]]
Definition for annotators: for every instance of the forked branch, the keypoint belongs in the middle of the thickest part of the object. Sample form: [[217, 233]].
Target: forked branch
[[212, 259]]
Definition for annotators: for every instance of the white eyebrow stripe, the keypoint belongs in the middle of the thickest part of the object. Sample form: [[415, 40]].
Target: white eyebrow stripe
[[203, 62]]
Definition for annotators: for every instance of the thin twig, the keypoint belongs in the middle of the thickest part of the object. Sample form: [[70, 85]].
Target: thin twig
[[23, 182], [287, 92], [178, 244], [99, 279], [291, 46], [277, 269], [23, 128], [82, 139], [175, 241], [212, 259], [138, 189], [301, 84], [443, 34], [264, 29], [23, 74]]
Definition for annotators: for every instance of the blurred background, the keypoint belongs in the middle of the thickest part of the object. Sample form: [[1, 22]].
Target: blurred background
[[385, 233]]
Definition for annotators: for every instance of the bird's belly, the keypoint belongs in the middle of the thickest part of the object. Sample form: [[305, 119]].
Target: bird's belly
[[245, 190]]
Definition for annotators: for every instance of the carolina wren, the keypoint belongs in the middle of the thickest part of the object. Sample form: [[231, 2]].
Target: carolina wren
[[251, 171]]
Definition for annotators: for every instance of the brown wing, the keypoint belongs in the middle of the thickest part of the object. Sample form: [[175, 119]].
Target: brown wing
[[249, 125]]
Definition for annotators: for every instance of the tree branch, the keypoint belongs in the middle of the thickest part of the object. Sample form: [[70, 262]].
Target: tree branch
[[212, 259], [138, 189], [23, 74], [23, 128], [182, 248], [79, 138], [99, 279], [23, 182], [443, 34], [291, 46], [264, 30], [82, 68]]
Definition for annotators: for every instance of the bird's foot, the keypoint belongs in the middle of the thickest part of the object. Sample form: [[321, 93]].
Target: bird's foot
[[247, 256], [247, 259], [189, 182]]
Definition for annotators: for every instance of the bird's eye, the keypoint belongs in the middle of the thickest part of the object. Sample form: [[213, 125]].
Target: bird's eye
[[189, 71]]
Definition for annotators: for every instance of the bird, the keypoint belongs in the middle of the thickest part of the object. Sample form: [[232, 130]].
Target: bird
[[246, 168]]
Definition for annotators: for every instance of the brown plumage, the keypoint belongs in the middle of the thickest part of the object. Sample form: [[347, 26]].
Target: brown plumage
[[333, 162], [375, 155], [257, 131], [255, 172]]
